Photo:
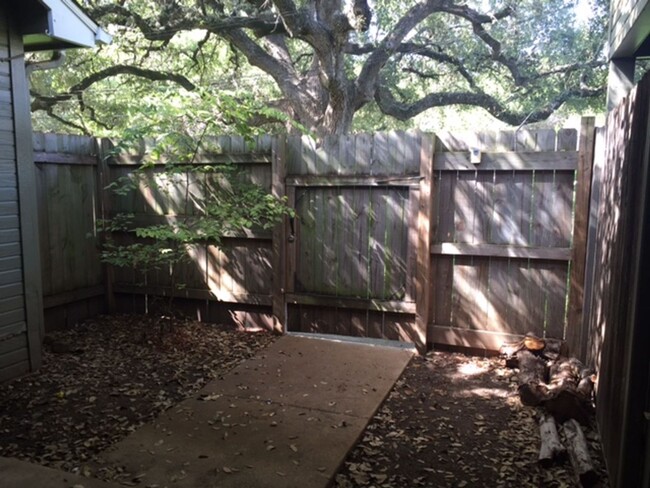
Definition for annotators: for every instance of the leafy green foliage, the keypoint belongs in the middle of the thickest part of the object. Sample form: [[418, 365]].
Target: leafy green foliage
[[197, 203], [234, 81]]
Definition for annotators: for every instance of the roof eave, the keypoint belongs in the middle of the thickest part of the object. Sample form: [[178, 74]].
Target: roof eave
[[67, 27]]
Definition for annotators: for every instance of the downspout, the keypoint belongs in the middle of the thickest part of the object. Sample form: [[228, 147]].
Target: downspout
[[55, 61]]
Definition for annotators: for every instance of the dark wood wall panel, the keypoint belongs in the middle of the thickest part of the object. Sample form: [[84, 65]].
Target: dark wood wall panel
[[14, 344]]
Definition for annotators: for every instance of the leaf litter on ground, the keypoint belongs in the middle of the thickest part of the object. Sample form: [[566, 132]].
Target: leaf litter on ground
[[117, 373], [450, 421], [454, 420]]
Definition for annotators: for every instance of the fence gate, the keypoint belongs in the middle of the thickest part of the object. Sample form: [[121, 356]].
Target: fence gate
[[351, 248], [490, 260]]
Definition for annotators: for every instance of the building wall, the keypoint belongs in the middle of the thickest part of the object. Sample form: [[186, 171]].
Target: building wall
[[20, 322], [627, 26]]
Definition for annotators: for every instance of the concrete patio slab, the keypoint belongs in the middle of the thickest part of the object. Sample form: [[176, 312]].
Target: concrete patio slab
[[21, 474], [333, 376], [287, 417]]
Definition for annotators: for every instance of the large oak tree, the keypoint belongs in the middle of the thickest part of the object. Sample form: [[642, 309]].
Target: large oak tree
[[319, 62]]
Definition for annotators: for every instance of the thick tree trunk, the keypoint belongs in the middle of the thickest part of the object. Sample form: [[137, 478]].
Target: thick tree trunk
[[579, 453], [551, 450]]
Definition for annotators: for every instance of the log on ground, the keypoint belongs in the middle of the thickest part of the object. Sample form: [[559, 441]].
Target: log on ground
[[579, 453], [564, 398], [532, 376], [551, 450]]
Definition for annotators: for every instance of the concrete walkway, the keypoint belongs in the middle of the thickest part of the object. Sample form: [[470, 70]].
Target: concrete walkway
[[286, 418]]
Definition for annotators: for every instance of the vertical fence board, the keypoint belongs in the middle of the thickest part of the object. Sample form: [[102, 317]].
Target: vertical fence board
[[278, 190], [543, 205], [498, 279], [555, 275], [581, 222], [464, 207]]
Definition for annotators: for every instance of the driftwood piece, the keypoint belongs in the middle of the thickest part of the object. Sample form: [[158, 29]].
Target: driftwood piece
[[579, 453], [551, 450], [532, 373]]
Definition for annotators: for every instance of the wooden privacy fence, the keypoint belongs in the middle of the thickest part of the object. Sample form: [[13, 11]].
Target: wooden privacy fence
[[232, 282], [67, 195], [503, 234], [396, 235]]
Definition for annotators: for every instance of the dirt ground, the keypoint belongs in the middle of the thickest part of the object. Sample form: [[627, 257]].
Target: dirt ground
[[456, 421], [451, 420], [106, 378]]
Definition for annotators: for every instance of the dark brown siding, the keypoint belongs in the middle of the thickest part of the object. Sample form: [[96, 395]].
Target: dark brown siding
[[618, 311], [14, 344]]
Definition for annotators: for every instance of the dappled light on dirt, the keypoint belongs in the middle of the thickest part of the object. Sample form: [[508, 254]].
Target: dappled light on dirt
[[454, 421], [471, 369]]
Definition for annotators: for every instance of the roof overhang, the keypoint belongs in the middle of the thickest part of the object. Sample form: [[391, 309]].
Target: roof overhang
[[56, 24], [629, 31]]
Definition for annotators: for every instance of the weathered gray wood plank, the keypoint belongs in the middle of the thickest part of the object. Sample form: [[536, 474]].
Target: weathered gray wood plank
[[508, 161]]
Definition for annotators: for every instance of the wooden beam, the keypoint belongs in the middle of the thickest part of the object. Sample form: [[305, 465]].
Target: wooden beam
[[126, 159], [476, 339], [280, 234], [370, 304], [32, 279], [293, 239], [424, 233], [65, 158], [502, 251], [52, 301], [412, 181], [508, 161], [142, 220], [105, 212], [580, 228], [197, 294], [591, 260]]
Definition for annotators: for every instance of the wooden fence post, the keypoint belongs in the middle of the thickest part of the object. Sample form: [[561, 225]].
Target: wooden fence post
[[278, 176], [580, 227], [105, 212], [424, 231]]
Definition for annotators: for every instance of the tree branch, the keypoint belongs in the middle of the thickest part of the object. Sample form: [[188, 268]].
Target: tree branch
[[80, 128], [389, 105], [498, 56], [43, 102], [419, 50], [367, 81], [263, 24]]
